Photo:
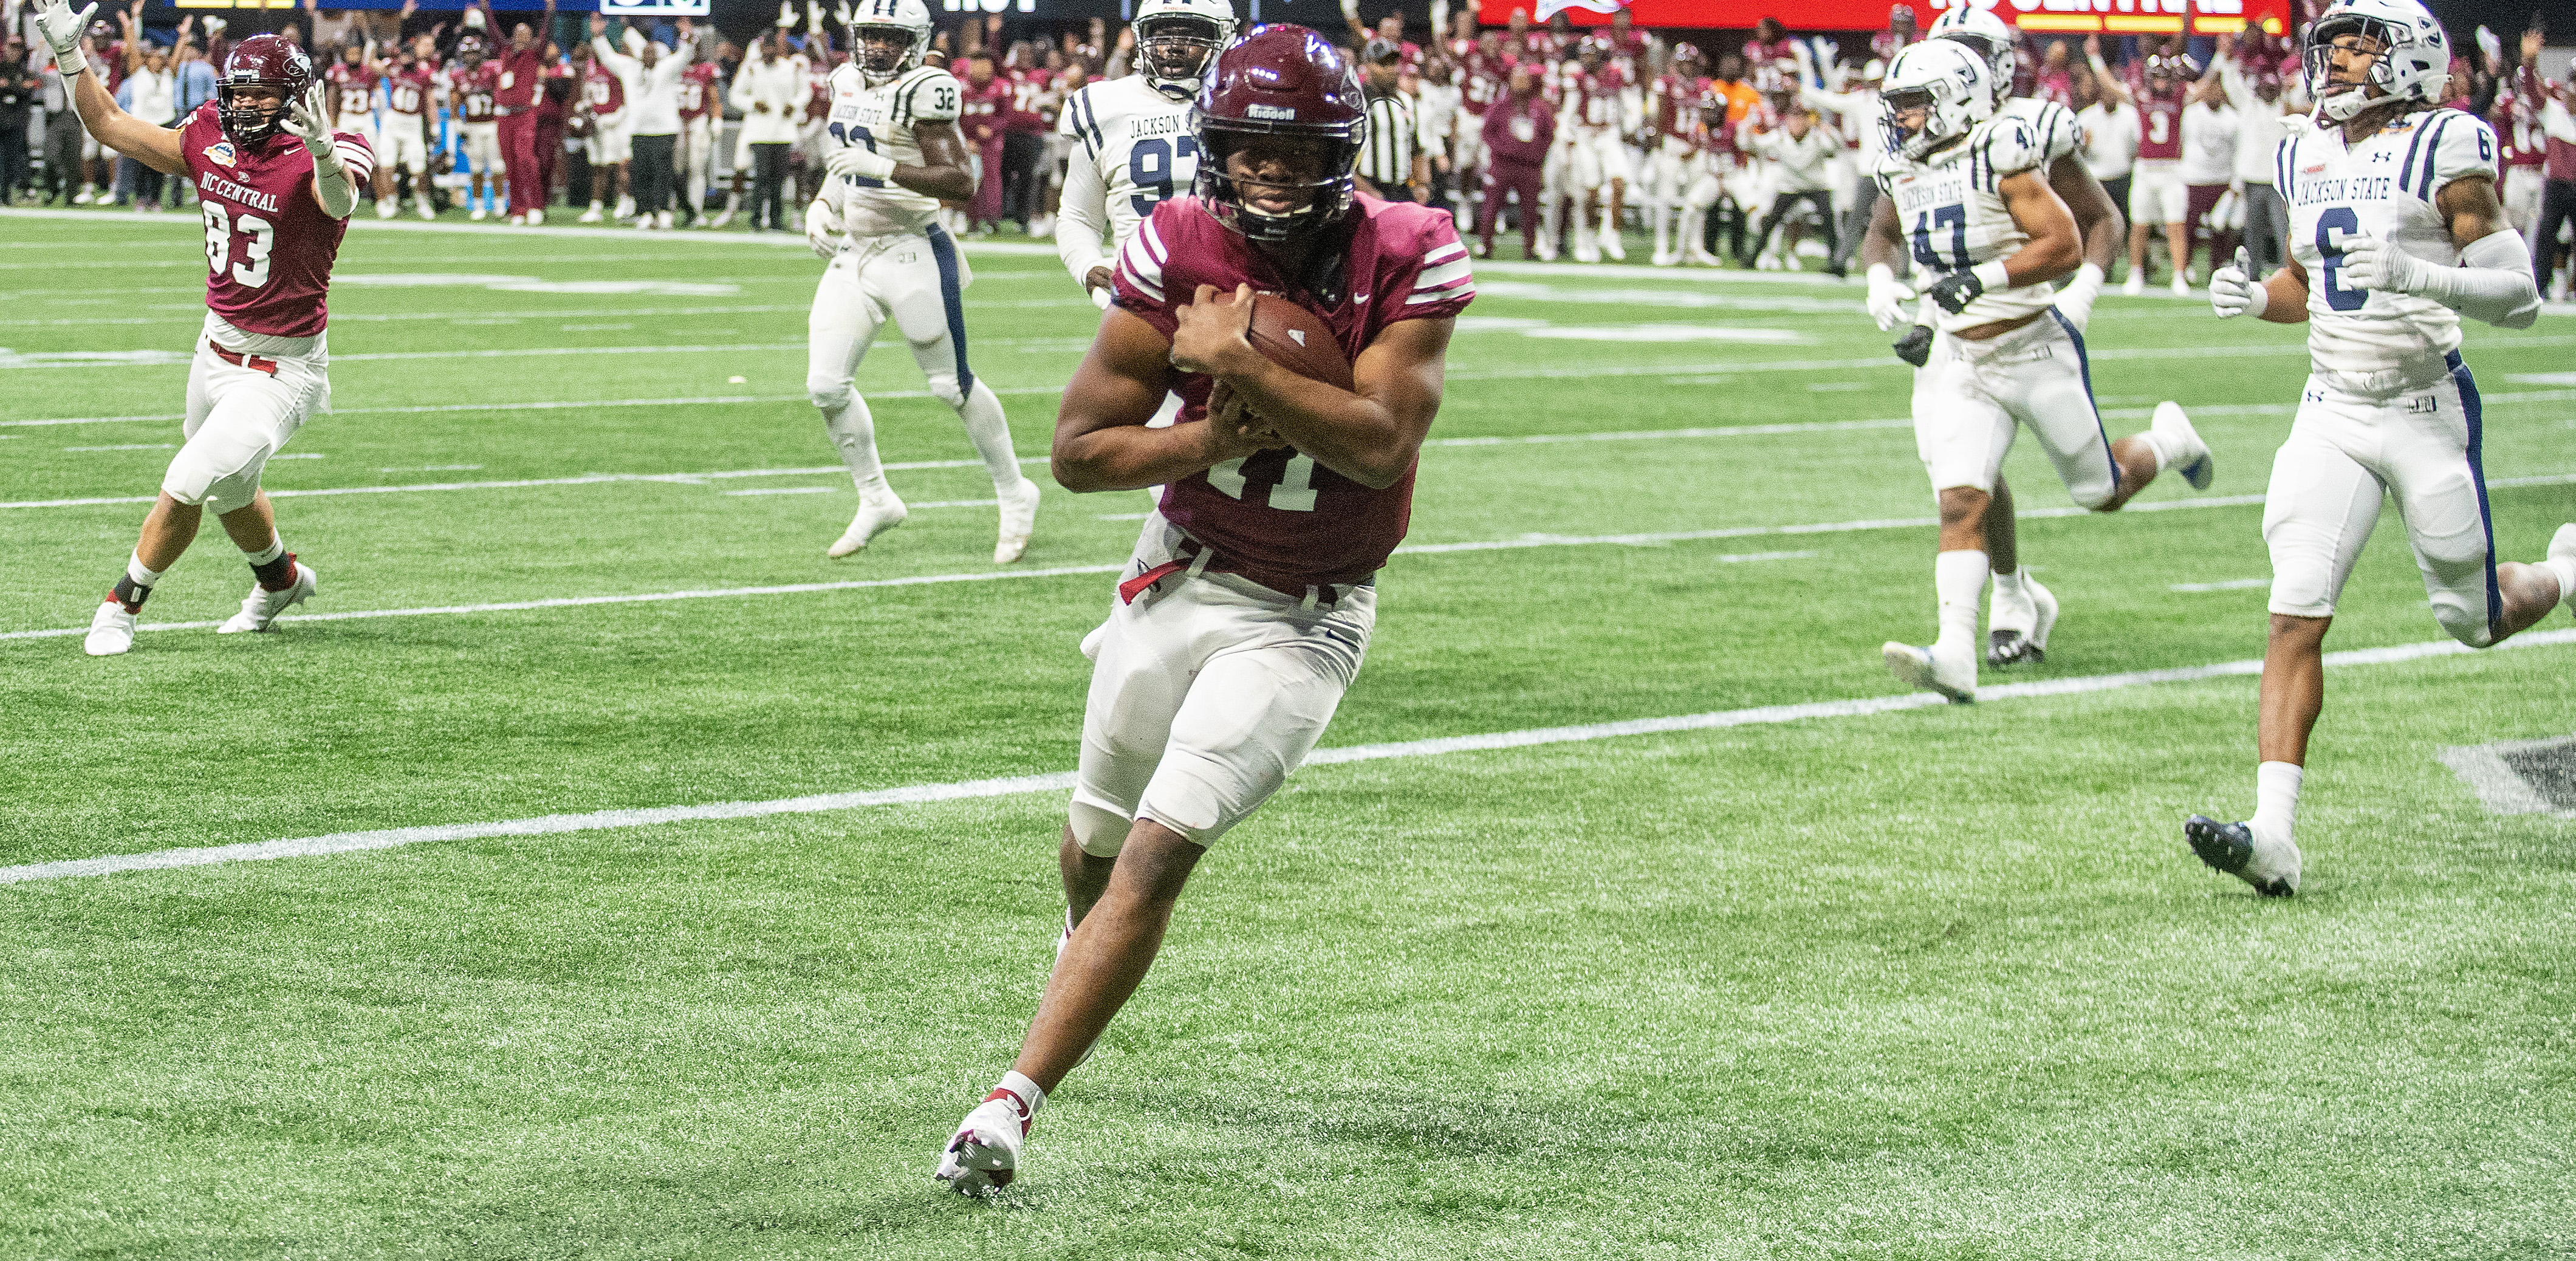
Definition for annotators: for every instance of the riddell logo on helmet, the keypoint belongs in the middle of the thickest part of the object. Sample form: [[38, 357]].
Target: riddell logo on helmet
[[1279, 113]]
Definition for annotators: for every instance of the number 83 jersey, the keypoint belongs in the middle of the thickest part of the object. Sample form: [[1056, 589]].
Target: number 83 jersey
[[2383, 187], [881, 119], [1954, 217]]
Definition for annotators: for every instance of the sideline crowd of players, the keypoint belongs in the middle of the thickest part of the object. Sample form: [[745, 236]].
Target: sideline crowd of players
[[1248, 603]]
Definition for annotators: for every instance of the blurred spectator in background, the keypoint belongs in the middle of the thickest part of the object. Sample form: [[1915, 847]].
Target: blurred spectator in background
[[1025, 124], [21, 92], [770, 92], [1518, 130], [150, 93], [980, 120]]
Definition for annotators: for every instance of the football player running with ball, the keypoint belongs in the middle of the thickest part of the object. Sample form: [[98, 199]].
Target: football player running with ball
[[2395, 234], [1247, 608], [1969, 191], [891, 155], [275, 185]]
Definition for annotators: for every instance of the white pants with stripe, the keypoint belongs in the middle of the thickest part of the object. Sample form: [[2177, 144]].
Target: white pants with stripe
[[915, 279], [1206, 692], [2420, 447], [241, 414], [1971, 398]]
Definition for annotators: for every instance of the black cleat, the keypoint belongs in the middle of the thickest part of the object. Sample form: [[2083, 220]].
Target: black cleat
[[2012, 648], [1916, 346], [2229, 847]]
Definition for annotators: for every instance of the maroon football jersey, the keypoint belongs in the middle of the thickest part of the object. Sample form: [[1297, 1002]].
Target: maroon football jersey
[[353, 88], [1672, 102], [602, 91], [1278, 516], [2160, 124], [407, 89], [269, 246], [697, 89], [478, 93]]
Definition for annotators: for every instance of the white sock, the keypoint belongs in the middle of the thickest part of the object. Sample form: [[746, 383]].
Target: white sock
[[2564, 569], [2157, 443], [1027, 1090], [854, 431], [2276, 799], [1960, 578], [990, 431], [138, 575], [276, 548], [2008, 585]]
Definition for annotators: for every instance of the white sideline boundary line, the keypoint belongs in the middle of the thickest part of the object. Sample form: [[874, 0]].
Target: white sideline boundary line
[[1063, 781]]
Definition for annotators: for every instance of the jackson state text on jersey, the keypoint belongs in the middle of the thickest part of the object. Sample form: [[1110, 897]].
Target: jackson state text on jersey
[[269, 246], [1951, 209], [2383, 187], [1140, 140], [881, 119], [1278, 516]]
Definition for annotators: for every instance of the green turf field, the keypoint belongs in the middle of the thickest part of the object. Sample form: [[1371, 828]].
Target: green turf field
[[1875, 982]]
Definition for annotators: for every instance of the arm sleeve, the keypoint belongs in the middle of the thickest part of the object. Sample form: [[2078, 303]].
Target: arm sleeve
[[1082, 217], [2493, 282]]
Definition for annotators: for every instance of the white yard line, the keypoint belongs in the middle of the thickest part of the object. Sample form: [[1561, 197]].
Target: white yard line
[[2232, 584], [1062, 781]]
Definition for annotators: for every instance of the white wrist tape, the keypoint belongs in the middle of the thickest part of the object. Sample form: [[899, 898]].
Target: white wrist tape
[[1994, 275]]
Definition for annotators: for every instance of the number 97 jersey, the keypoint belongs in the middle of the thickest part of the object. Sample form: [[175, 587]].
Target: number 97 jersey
[[2383, 187], [1140, 143], [881, 119]]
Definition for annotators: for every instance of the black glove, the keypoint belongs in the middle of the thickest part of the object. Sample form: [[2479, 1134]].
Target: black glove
[[1955, 291], [1916, 346]]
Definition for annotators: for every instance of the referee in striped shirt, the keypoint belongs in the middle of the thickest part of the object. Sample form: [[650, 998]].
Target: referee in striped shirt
[[1391, 166]]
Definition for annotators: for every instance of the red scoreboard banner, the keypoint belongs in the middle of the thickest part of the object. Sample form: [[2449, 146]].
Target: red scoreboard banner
[[2115, 17]]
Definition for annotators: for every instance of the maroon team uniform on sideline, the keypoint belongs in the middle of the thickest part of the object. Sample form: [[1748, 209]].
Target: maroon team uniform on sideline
[[1319, 529]]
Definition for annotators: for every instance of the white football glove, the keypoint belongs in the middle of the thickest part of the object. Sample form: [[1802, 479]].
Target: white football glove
[[819, 219], [860, 161], [307, 120], [2233, 290], [62, 30], [2371, 262], [1887, 298]]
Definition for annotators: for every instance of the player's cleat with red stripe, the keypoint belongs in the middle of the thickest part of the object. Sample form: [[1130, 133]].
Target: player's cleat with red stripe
[[1917, 668], [876, 516], [2191, 455], [2232, 848], [1019, 521], [111, 630], [984, 1155], [260, 608]]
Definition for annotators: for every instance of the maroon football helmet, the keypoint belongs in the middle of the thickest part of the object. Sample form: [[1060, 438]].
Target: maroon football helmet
[[262, 61], [1280, 80]]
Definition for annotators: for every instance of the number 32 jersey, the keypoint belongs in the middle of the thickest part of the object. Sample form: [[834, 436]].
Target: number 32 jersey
[[269, 245], [1139, 147], [881, 119], [1953, 215], [2383, 187]]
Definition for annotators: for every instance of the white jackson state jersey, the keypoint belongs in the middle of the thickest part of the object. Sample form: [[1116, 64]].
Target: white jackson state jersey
[[882, 119], [1139, 141], [1953, 215], [2050, 124], [2383, 187]]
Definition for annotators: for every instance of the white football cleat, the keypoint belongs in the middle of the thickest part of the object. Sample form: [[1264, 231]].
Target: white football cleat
[[518, 221], [423, 206], [875, 517], [984, 1155], [1019, 521], [722, 218], [592, 215], [537, 217], [625, 206], [260, 608], [477, 214], [387, 208], [111, 630], [1917, 668], [2020, 633], [2181, 285], [1616, 248], [2192, 458], [2135, 285], [663, 220]]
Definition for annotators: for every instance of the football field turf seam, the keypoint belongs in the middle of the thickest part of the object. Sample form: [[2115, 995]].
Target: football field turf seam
[[1063, 781]]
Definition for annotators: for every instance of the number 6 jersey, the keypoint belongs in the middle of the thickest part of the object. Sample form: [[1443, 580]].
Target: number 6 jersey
[[1953, 216], [881, 119], [2383, 187], [269, 246]]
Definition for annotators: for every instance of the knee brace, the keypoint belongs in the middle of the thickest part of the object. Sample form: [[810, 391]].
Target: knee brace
[[1100, 831]]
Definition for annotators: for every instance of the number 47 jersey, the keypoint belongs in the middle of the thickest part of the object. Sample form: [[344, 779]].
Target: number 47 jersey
[[1953, 215], [881, 119], [2383, 187]]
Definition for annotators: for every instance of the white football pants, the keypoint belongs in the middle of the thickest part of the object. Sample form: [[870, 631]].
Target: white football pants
[[1972, 397]]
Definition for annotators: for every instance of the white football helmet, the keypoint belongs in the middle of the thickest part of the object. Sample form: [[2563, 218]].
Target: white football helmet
[[1989, 37], [1945, 80], [2413, 63], [1175, 44], [909, 17]]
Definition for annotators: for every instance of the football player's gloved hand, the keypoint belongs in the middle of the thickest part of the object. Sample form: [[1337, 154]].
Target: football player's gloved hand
[[307, 121], [819, 220], [62, 30], [860, 161], [2371, 262], [1916, 346], [1887, 297], [1955, 291], [2234, 291]]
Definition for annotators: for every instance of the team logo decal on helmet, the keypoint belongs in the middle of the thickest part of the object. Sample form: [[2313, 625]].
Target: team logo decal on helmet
[[262, 61], [1988, 36], [1176, 40], [1280, 81], [1946, 81]]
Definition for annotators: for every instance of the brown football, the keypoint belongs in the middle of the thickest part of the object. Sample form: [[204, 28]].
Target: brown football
[[1296, 339]]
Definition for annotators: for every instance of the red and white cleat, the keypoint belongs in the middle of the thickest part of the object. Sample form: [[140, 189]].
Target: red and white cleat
[[260, 608], [984, 1155]]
